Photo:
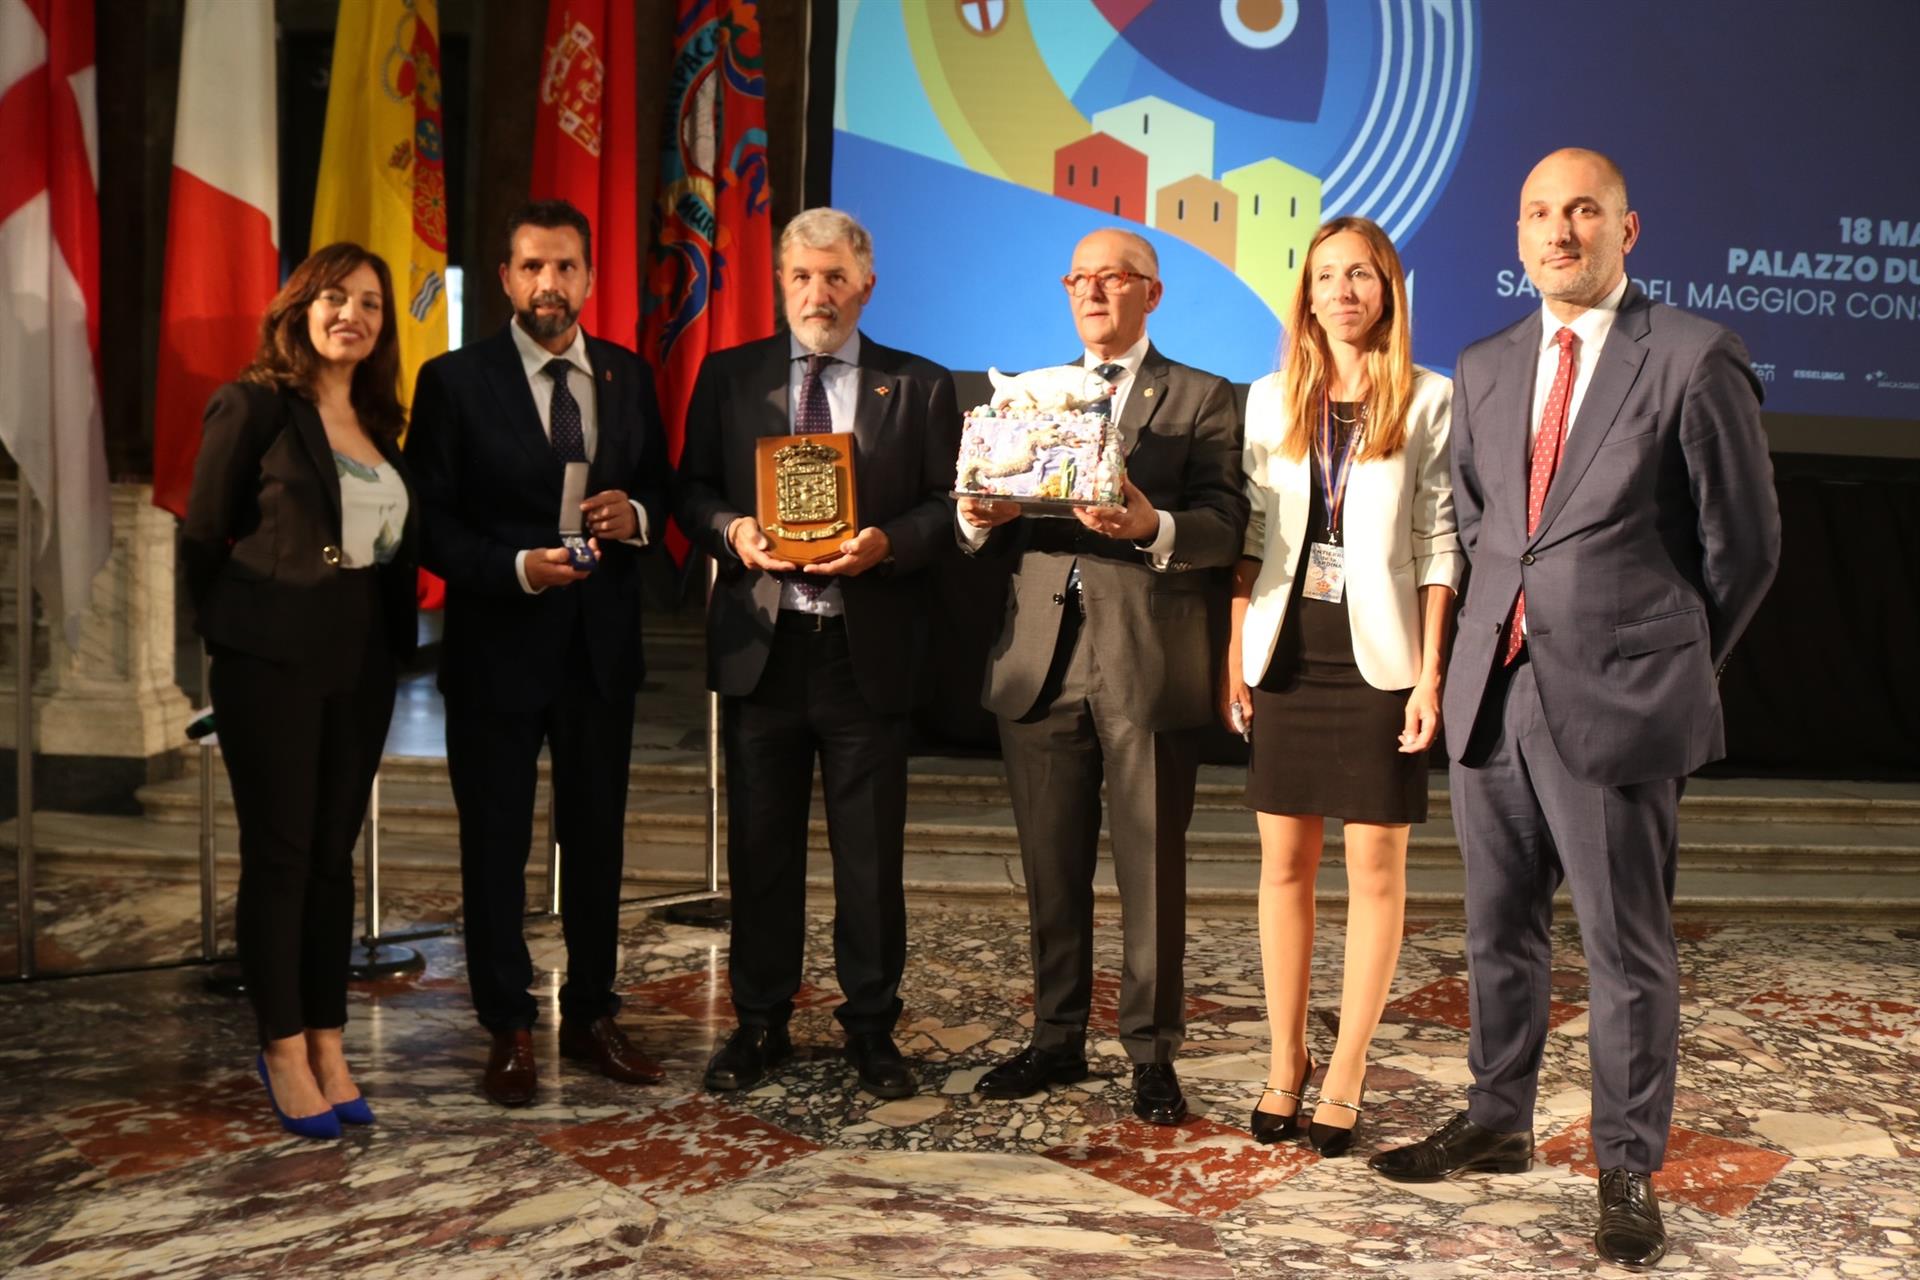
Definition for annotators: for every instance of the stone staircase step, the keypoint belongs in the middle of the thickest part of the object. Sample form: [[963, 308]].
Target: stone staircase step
[[939, 779], [83, 844], [413, 805]]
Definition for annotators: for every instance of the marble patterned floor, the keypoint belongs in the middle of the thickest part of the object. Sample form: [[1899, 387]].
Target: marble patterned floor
[[134, 1140]]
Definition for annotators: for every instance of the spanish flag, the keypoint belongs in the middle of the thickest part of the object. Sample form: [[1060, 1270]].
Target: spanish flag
[[382, 168]]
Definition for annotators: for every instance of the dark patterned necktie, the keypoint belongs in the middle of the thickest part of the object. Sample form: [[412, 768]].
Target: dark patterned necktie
[[813, 416], [1112, 373], [563, 416]]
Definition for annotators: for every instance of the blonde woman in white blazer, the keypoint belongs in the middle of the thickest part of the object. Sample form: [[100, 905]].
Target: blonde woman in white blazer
[[1341, 610]]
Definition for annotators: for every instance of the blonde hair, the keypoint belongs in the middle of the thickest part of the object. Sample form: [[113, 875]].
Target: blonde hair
[[1307, 364]]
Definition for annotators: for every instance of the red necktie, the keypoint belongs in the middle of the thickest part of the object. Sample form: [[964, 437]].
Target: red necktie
[[1546, 457]]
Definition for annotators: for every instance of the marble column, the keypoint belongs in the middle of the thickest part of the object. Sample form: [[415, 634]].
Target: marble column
[[107, 713]]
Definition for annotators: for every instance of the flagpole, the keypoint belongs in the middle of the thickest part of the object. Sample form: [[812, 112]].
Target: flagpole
[[23, 727], [713, 760]]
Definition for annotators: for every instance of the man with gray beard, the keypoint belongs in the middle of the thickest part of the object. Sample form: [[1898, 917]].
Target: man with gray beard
[[821, 661]]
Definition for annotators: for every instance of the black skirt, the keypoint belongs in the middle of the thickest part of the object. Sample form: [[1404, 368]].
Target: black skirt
[[1325, 741]]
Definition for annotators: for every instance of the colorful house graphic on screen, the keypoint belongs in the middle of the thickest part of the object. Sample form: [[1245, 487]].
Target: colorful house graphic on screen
[[1102, 173], [1279, 212], [1202, 212], [1177, 143]]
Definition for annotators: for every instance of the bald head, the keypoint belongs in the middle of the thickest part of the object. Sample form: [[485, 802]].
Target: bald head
[[1112, 319], [1122, 247], [1575, 229], [1595, 169]]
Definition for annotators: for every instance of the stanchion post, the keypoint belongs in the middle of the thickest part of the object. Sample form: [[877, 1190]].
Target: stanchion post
[[209, 869], [712, 909], [553, 847], [373, 958], [28, 940], [370, 847]]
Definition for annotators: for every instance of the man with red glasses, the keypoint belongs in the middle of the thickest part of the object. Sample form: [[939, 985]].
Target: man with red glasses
[[1103, 670]]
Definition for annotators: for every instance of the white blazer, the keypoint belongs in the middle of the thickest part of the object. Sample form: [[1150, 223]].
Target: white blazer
[[1396, 523]]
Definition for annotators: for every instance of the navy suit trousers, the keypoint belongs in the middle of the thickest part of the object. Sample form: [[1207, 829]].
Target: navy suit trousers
[[1525, 824]]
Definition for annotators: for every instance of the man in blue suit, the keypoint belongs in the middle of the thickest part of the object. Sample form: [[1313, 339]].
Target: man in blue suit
[[1616, 505], [538, 649]]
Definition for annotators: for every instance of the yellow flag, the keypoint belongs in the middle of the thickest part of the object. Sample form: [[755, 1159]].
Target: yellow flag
[[382, 167]]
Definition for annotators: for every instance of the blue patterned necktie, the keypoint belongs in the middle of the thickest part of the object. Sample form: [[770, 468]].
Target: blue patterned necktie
[[563, 416], [813, 416]]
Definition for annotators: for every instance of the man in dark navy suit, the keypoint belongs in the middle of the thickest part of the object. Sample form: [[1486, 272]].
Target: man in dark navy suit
[[537, 648], [1616, 504]]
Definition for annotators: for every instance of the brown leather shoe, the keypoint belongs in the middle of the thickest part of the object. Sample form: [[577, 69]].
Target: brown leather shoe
[[509, 1079], [602, 1043]]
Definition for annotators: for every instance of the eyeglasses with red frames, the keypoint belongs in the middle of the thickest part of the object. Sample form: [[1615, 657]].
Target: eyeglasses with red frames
[[1109, 281]]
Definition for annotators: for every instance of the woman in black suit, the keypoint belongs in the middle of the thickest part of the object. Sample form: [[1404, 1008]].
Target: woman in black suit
[[299, 553]]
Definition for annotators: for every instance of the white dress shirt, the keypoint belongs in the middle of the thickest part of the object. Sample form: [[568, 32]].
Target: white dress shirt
[[1591, 327], [1160, 549], [534, 359]]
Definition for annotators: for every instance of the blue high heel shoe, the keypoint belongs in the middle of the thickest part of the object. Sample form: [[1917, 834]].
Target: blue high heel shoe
[[354, 1111], [324, 1125]]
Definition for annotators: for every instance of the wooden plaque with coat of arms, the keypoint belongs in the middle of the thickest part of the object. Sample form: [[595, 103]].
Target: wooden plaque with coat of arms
[[806, 496]]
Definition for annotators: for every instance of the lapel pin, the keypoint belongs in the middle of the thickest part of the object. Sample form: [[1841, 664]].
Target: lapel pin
[[881, 391], [1148, 393], [606, 375]]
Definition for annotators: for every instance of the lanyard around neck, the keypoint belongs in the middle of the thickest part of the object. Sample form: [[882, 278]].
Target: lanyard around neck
[[1333, 486]]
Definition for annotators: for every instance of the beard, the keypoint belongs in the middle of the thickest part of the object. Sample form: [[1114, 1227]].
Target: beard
[[821, 329], [547, 326], [1584, 283]]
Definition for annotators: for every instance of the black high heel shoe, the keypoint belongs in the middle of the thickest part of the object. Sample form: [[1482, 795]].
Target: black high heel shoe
[[1331, 1140], [1270, 1126]]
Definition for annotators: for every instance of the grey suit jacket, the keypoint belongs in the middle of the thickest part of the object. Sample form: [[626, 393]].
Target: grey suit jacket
[[1149, 628], [906, 431], [1659, 537]]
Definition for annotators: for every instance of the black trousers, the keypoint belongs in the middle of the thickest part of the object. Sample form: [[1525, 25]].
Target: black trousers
[[493, 758], [806, 704], [301, 748]]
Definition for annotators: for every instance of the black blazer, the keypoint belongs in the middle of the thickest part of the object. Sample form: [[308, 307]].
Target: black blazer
[[260, 548], [906, 432], [489, 485]]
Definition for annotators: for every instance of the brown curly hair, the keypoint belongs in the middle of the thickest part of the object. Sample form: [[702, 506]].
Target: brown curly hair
[[286, 359]]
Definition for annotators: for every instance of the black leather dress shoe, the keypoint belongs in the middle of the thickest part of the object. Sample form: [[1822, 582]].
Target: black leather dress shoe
[[883, 1072], [746, 1056], [1631, 1233], [1156, 1094], [1031, 1070], [1458, 1146]]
